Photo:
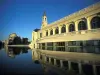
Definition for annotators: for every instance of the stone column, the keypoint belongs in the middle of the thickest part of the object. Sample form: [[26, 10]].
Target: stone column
[[44, 58], [54, 46], [59, 29], [61, 63], [37, 45], [49, 60], [45, 46], [69, 65], [48, 32], [76, 25], [53, 31], [80, 68], [67, 30], [39, 55], [54, 61], [66, 46], [94, 70], [88, 23]]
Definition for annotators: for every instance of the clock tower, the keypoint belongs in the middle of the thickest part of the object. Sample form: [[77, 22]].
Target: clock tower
[[44, 20]]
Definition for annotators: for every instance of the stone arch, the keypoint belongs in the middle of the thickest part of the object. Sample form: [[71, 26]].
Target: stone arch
[[82, 25], [63, 29], [57, 30], [71, 27], [46, 32], [51, 32], [95, 22]]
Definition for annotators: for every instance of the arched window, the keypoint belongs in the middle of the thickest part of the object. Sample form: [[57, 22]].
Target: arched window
[[57, 31], [95, 22], [51, 32], [71, 27], [82, 25], [40, 35], [63, 29], [46, 33]]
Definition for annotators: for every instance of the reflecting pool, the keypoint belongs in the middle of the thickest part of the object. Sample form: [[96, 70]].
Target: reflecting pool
[[23, 60], [18, 60]]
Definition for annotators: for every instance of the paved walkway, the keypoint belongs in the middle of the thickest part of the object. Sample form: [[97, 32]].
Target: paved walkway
[[18, 45]]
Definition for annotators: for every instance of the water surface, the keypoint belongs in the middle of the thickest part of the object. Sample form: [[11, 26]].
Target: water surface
[[23, 60]]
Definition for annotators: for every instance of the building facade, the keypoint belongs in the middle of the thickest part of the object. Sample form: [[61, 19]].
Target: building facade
[[71, 33]]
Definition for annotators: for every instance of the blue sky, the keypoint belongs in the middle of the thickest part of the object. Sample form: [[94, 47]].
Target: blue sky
[[23, 16]]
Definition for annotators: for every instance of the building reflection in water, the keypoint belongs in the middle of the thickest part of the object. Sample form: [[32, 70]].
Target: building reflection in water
[[13, 51], [54, 65]]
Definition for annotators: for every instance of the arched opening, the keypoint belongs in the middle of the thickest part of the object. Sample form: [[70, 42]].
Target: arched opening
[[45, 19], [46, 33], [51, 32], [71, 27], [95, 22], [63, 29], [40, 35], [82, 25], [57, 31]]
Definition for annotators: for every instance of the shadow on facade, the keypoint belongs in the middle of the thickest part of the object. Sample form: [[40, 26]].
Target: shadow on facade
[[89, 46]]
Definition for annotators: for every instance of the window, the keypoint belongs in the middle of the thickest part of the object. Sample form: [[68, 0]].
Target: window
[[57, 31], [71, 27], [50, 44], [40, 35], [63, 29], [43, 46], [51, 32], [46, 33], [95, 22], [82, 25], [34, 45]]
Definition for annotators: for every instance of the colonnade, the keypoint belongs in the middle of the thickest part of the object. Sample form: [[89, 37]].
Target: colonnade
[[86, 20]]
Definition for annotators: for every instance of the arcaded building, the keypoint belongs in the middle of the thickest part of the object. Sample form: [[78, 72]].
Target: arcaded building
[[77, 32]]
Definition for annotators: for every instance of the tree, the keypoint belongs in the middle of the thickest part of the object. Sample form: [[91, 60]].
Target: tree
[[24, 40], [0, 44], [17, 40]]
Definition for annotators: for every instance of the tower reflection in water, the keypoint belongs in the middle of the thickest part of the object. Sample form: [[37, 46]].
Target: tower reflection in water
[[55, 65]]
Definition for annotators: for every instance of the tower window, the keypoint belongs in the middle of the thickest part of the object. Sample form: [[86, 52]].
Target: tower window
[[40, 35], [46, 33]]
